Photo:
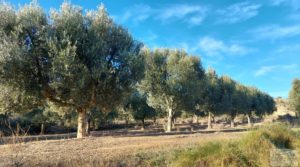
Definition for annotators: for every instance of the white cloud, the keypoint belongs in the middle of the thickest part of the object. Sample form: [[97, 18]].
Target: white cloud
[[295, 4], [178, 11], [215, 47], [197, 19], [278, 2], [150, 37], [238, 12], [137, 13], [185, 46], [276, 31], [289, 49], [268, 69], [192, 14]]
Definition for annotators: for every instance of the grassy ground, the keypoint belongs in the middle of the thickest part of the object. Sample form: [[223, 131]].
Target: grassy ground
[[105, 151], [254, 149]]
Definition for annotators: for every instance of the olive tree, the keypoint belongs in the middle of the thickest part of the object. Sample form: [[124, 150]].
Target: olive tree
[[74, 60], [171, 81], [230, 98], [140, 110], [294, 96], [210, 98], [249, 107]]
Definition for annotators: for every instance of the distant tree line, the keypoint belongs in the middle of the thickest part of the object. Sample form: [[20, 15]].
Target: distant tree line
[[84, 62]]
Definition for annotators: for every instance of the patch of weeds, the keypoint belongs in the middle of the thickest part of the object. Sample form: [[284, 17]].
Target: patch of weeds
[[251, 151]]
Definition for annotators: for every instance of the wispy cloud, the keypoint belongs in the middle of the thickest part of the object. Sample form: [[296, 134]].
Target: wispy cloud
[[192, 14], [238, 12], [184, 45], [216, 47], [137, 13], [150, 37], [276, 31], [295, 48], [268, 69], [294, 4]]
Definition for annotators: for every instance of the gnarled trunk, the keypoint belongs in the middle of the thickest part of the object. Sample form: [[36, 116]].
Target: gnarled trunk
[[209, 121], [81, 128], [169, 123]]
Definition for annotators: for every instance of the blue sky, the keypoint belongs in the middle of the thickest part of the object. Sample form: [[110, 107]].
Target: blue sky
[[256, 42]]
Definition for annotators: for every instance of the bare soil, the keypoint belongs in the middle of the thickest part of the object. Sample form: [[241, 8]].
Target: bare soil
[[102, 148]]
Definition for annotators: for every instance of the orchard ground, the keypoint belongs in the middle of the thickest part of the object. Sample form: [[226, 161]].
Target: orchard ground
[[111, 150], [122, 147]]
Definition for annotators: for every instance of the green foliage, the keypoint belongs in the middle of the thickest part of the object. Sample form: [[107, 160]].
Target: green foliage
[[139, 107], [231, 97], [210, 100], [99, 119], [167, 78], [40, 116], [167, 82], [294, 96], [72, 59], [83, 61], [223, 95]]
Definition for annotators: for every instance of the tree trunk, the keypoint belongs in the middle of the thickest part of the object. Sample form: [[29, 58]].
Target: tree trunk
[[18, 129], [196, 119], [92, 125], [232, 122], [88, 125], [42, 129], [169, 123], [143, 124], [96, 125], [249, 121], [81, 131], [209, 121], [173, 121]]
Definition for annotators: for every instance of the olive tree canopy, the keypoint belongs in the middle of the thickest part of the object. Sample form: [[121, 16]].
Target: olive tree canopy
[[72, 59], [171, 81]]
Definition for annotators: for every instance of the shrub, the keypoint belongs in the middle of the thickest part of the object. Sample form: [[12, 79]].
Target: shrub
[[252, 150]]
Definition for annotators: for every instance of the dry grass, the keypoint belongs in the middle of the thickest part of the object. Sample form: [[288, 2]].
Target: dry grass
[[102, 150], [250, 151]]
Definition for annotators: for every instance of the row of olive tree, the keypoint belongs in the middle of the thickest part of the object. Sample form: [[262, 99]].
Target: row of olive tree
[[84, 61], [223, 95], [175, 81]]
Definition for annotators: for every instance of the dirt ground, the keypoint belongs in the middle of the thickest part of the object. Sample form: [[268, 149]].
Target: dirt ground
[[106, 148]]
